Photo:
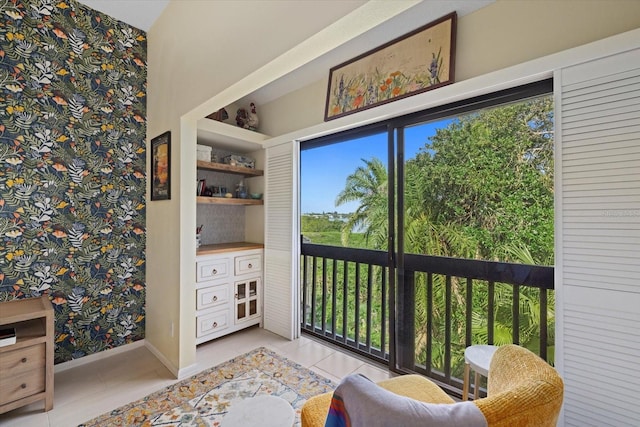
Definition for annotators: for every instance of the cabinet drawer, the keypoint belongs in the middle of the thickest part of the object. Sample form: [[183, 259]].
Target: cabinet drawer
[[212, 323], [248, 264], [212, 296], [212, 269], [13, 363]]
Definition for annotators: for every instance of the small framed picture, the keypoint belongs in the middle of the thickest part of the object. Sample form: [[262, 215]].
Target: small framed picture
[[161, 167]]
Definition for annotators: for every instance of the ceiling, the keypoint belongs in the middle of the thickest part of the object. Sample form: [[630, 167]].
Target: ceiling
[[138, 13]]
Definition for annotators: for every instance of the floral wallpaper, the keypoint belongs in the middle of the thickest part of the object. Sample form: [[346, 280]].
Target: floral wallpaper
[[72, 170]]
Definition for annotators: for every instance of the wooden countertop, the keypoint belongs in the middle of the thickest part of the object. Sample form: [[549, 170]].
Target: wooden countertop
[[227, 247]]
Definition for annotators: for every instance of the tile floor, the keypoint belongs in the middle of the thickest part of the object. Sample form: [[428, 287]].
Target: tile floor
[[84, 392]]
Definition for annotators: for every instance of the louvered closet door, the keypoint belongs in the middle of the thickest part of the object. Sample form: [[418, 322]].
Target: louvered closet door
[[598, 240], [280, 292]]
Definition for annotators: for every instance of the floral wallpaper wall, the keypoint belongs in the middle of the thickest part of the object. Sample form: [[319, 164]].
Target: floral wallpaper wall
[[72, 170]]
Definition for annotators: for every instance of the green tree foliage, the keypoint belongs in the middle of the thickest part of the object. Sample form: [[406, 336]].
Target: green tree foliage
[[316, 223], [487, 178]]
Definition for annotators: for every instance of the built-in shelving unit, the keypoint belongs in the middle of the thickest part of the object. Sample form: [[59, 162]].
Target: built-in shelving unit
[[229, 273], [238, 170], [223, 135]]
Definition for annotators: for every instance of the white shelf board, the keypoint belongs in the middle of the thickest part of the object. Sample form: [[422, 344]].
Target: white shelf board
[[224, 136]]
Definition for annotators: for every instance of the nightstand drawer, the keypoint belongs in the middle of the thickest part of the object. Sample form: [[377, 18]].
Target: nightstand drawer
[[13, 363], [212, 323], [23, 385], [248, 264], [212, 296], [212, 269]]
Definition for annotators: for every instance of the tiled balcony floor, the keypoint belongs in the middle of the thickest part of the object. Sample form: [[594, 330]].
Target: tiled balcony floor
[[86, 391]]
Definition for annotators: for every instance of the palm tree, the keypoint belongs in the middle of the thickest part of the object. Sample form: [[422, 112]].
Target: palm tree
[[367, 185]]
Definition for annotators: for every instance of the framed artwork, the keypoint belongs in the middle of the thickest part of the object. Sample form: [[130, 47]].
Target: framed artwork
[[161, 167], [416, 62]]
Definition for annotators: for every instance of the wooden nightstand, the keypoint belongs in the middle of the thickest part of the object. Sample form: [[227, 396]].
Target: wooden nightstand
[[26, 367]]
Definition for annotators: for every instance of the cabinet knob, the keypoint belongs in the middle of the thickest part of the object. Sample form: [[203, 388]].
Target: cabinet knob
[[250, 266], [214, 271], [215, 324], [23, 385], [24, 360], [215, 298]]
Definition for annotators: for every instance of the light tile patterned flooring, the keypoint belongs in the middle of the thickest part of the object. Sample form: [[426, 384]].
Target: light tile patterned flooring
[[84, 392]]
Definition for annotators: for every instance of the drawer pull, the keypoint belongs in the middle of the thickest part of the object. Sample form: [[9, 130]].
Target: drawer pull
[[214, 271], [215, 298], [23, 385], [215, 324], [24, 360], [250, 266]]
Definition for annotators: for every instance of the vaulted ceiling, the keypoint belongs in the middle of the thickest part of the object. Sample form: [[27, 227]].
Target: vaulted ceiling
[[138, 13], [298, 23]]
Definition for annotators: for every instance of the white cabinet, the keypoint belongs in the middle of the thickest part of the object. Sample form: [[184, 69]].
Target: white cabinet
[[228, 292]]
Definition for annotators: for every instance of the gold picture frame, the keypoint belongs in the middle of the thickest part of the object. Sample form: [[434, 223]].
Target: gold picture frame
[[416, 62], [161, 167]]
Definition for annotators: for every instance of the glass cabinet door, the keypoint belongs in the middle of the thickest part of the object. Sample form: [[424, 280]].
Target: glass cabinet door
[[247, 302]]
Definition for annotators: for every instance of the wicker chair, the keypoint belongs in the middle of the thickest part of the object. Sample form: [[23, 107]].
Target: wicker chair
[[523, 391]]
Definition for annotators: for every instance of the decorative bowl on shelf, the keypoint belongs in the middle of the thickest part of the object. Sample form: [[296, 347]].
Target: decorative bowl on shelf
[[256, 196]]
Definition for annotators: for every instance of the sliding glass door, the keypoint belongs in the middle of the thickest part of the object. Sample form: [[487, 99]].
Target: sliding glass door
[[431, 211]]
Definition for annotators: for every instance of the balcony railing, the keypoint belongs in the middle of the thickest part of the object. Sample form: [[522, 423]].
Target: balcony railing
[[442, 305]]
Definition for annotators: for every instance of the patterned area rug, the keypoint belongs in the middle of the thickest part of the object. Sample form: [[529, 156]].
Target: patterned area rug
[[204, 399]]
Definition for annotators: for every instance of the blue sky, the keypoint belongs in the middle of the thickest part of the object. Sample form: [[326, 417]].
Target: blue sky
[[324, 170]]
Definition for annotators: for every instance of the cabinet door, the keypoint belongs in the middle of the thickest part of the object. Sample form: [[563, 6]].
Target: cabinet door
[[247, 299]]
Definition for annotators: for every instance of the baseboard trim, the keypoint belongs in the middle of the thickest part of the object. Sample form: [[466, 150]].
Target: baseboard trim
[[60, 367], [178, 373]]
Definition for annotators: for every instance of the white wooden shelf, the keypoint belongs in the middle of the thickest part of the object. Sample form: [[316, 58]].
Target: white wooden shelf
[[226, 136], [203, 200], [222, 167]]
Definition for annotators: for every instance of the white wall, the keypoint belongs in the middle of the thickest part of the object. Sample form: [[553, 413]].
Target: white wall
[[500, 35], [190, 59], [189, 65]]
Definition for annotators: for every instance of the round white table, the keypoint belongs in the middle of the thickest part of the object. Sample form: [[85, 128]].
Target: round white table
[[260, 411], [478, 358]]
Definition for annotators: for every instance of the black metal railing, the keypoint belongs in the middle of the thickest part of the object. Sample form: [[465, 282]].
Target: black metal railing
[[442, 305], [331, 279]]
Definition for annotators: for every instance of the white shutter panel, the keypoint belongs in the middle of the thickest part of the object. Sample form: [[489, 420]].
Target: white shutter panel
[[598, 240], [280, 291]]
